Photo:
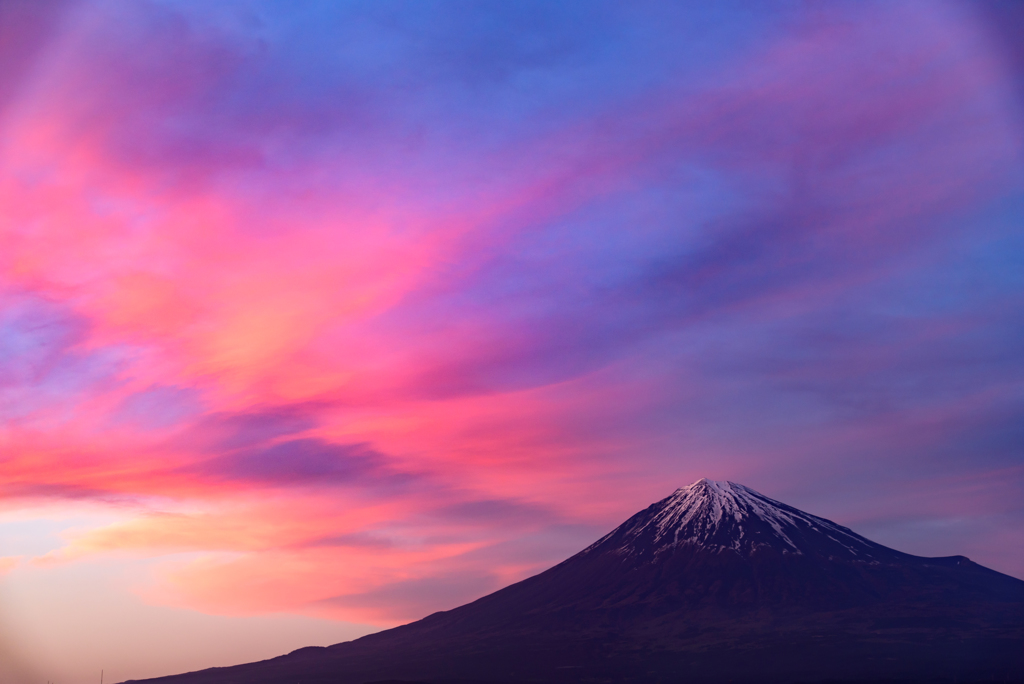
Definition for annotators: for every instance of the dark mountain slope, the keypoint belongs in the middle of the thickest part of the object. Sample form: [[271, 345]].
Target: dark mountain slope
[[714, 583]]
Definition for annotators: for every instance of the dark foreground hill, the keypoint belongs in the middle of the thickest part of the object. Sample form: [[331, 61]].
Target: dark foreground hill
[[715, 583]]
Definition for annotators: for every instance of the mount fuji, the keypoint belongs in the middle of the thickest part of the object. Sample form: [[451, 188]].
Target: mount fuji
[[714, 583]]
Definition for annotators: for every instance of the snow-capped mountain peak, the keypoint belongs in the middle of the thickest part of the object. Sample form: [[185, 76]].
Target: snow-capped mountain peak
[[719, 515]]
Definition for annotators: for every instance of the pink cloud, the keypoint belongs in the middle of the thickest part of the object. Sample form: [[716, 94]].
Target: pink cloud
[[276, 349]]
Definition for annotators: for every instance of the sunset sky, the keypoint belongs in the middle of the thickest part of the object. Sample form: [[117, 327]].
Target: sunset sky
[[318, 317]]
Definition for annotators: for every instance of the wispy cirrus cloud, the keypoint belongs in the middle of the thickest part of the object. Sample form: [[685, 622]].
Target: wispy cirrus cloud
[[341, 302]]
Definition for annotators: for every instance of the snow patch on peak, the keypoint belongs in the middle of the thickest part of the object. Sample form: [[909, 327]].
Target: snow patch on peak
[[727, 515], [700, 509]]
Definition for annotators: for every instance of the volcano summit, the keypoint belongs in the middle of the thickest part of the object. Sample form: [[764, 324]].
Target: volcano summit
[[714, 583], [715, 516]]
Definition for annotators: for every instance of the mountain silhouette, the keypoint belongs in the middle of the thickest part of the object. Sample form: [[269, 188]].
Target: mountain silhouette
[[715, 583]]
